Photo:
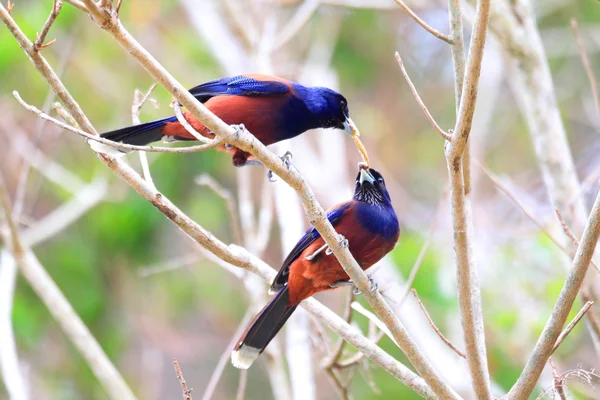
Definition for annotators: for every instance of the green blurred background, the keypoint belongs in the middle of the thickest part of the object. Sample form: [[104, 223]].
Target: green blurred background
[[191, 309]]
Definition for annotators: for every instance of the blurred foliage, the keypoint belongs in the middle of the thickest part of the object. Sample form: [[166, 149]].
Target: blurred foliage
[[190, 313]]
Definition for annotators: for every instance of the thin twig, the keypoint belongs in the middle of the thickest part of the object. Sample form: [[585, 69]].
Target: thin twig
[[586, 64], [39, 42], [296, 23], [529, 215], [545, 344], [566, 229], [215, 186], [235, 255], [436, 329], [330, 361], [424, 248], [136, 107], [216, 375], [243, 140], [61, 309], [242, 385], [435, 125], [188, 127], [424, 24], [572, 324], [117, 145], [187, 393], [557, 381]]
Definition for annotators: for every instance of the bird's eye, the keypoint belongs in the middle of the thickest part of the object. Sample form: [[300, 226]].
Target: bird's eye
[[380, 180], [342, 103]]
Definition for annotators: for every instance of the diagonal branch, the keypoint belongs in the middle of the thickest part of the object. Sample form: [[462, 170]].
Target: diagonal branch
[[316, 216], [233, 254], [41, 37], [424, 24], [545, 345], [61, 309], [435, 125]]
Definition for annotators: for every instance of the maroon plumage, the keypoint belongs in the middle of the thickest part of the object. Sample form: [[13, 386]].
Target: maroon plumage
[[272, 108], [370, 225]]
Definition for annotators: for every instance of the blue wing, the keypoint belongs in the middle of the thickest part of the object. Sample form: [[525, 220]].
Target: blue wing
[[238, 86], [334, 216]]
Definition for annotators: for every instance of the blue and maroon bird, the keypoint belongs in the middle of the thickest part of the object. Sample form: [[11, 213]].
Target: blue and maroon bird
[[370, 225], [271, 108]]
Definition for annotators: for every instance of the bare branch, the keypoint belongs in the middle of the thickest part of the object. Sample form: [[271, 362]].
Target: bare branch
[[117, 145], [435, 328], [136, 107], [586, 64], [9, 361], [242, 384], [421, 257], [184, 122], [469, 297], [237, 256], [545, 345], [424, 24], [187, 393], [62, 311], [521, 207], [296, 23], [39, 42], [557, 381], [315, 213], [572, 324], [215, 186], [442, 133]]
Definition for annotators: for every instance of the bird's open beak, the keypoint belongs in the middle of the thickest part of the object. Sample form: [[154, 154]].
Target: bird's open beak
[[365, 176], [350, 127]]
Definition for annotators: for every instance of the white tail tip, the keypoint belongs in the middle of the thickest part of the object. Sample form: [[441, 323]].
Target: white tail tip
[[103, 148], [244, 356]]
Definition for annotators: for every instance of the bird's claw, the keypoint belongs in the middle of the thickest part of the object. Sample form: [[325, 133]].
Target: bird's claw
[[341, 240], [287, 160], [372, 283], [271, 176], [238, 128]]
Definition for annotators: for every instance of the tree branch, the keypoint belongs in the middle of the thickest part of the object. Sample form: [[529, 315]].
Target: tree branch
[[435, 328], [442, 132], [572, 324], [469, 296], [545, 345], [41, 37], [424, 24], [316, 216], [62, 311], [187, 393]]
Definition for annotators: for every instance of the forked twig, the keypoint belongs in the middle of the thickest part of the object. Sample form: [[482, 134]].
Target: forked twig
[[572, 324], [39, 41]]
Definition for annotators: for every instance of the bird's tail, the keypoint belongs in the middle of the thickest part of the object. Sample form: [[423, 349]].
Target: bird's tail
[[262, 330], [139, 135]]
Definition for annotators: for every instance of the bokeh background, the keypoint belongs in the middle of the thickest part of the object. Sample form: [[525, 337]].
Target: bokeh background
[[148, 294]]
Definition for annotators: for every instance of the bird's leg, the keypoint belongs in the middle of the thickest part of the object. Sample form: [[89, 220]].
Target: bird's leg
[[287, 160], [341, 240]]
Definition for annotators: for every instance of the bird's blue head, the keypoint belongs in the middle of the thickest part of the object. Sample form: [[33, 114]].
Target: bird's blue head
[[370, 188], [328, 108]]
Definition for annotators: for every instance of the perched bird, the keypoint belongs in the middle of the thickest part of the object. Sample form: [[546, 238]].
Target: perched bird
[[369, 224], [271, 108]]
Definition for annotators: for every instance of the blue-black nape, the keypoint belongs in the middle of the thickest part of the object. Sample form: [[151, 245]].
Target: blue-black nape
[[328, 107]]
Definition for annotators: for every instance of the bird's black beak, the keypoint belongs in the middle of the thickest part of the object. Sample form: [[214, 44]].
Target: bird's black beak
[[365, 176], [350, 127]]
